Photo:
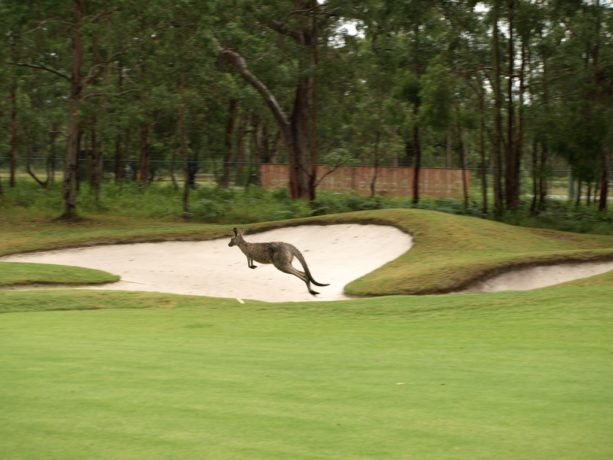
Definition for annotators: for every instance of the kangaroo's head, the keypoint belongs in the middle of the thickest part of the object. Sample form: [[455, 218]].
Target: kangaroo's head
[[236, 239]]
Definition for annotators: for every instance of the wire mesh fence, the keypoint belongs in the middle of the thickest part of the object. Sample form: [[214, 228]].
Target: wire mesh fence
[[397, 181]]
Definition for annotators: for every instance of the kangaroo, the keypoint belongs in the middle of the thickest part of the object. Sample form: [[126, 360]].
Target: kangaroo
[[276, 253]]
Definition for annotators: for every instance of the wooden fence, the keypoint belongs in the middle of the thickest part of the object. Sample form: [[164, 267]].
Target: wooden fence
[[433, 182]]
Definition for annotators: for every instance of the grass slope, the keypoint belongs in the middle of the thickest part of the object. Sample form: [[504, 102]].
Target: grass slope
[[16, 273], [505, 376]]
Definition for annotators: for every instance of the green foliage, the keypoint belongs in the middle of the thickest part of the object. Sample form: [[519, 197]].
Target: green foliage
[[154, 65], [436, 92], [333, 203], [253, 204], [244, 205]]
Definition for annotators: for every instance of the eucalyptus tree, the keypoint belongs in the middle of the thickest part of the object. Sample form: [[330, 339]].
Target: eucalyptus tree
[[406, 37], [194, 85], [42, 28], [579, 90], [296, 26], [469, 58]]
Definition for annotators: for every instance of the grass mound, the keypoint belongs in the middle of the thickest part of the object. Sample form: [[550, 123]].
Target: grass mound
[[18, 274]]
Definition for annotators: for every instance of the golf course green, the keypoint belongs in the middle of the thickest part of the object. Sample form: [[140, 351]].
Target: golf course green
[[387, 375]]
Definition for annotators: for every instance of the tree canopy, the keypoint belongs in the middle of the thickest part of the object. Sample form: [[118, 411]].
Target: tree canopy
[[126, 89]]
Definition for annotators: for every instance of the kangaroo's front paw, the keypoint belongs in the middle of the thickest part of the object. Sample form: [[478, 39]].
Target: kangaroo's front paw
[[253, 266]]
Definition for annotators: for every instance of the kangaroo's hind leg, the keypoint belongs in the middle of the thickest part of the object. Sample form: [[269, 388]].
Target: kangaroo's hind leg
[[284, 264]]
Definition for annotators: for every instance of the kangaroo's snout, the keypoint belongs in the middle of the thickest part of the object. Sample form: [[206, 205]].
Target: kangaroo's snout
[[234, 239]]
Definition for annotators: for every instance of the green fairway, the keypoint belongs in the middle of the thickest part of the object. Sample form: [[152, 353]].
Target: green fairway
[[517, 376], [116, 375]]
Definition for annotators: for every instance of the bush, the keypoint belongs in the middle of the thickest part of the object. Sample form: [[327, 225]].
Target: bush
[[253, 204]]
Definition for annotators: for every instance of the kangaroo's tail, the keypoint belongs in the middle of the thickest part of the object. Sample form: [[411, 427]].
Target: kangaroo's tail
[[300, 257]]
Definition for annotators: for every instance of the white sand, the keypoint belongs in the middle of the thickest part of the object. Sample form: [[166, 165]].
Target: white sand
[[336, 254], [523, 279]]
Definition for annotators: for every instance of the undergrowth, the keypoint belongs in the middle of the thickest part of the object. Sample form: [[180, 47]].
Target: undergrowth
[[253, 204]]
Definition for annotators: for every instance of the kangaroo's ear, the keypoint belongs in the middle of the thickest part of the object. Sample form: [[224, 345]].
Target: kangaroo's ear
[[235, 231]]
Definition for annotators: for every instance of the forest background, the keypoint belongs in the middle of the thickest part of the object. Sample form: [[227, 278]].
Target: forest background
[[197, 94]]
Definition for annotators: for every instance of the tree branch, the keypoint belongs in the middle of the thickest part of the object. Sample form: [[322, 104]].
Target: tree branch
[[240, 65], [120, 94], [330, 171], [94, 73], [41, 67], [281, 28]]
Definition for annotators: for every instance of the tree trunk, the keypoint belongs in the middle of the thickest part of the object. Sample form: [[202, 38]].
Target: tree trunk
[[604, 180], [463, 166], [74, 109], [229, 143], [542, 190], [118, 167], [375, 173], [241, 149], [521, 118], [417, 164], [313, 98], [119, 170], [143, 161], [602, 86], [262, 142], [448, 149], [297, 130], [534, 208], [511, 172], [95, 178], [180, 146], [484, 205], [186, 187], [300, 160], [42, 183], [13, 141], [588, 194], [498, 139], [51, 155], [544, 157]]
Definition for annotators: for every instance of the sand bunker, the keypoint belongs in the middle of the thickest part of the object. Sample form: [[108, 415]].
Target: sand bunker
[[523, 279], [336, 254]]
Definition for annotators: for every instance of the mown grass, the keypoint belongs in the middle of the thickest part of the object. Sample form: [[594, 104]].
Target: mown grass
[[505, 376], [98, 375], [15, 274]]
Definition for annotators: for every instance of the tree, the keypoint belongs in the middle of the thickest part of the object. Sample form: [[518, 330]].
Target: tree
[[298, 127]]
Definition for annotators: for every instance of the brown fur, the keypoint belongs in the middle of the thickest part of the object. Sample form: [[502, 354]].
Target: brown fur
[[276, 253]]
